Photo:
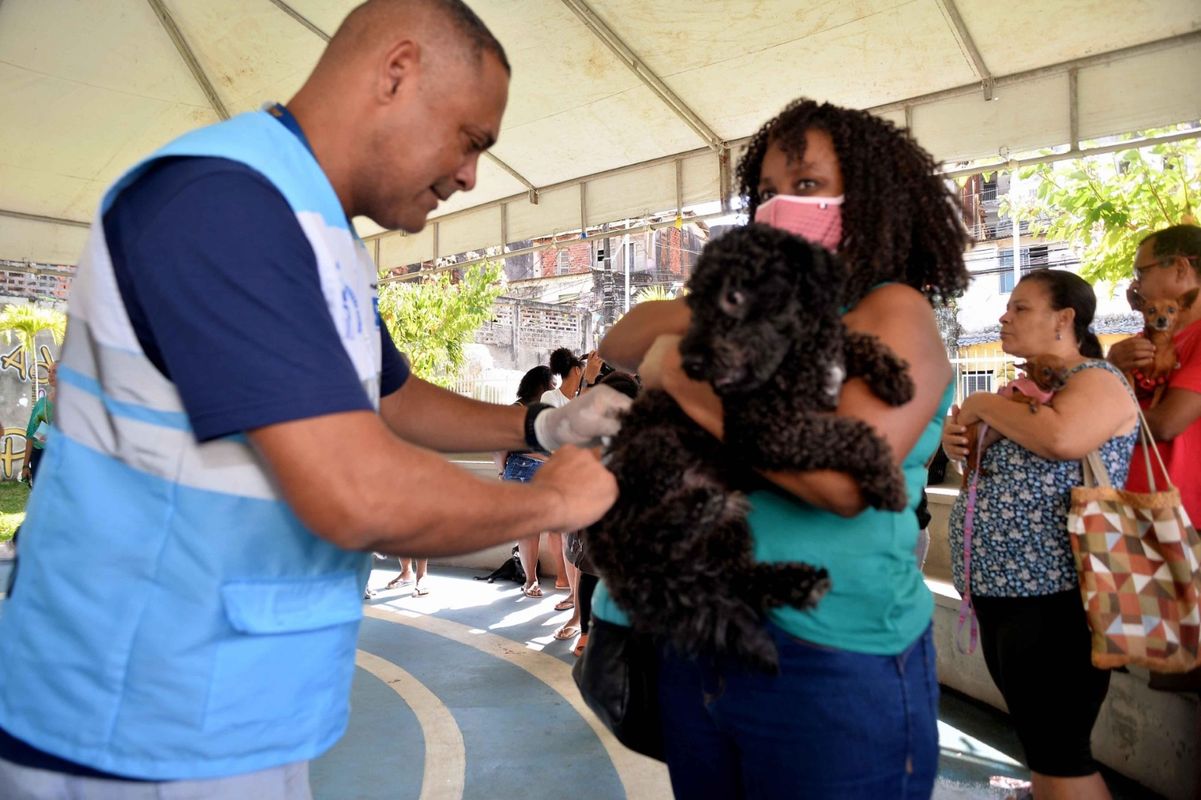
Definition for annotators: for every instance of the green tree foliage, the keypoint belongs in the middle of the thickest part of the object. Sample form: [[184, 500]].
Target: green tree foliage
[[432, 320], [1104, 205], [25, 322]]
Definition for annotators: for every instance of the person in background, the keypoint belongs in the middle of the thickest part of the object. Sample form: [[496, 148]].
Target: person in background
[[1023, 581], [521, 466], [40, 421], [573, 374], [406, 576]]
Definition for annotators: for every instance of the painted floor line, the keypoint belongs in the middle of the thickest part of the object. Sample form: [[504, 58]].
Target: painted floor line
[[445, 769], [639, 776]]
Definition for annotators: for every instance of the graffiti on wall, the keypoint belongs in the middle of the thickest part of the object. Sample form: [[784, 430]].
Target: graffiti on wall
[[12, 453], [16, 362]]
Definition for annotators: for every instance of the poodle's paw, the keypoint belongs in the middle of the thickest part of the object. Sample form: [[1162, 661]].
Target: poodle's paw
[[895, 392], [790, 584], [886, 491]]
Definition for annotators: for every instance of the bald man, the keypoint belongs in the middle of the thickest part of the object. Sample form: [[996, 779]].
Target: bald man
[[236, 432]]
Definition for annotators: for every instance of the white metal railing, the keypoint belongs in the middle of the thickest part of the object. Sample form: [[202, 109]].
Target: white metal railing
[[501, 390], [982, 374]]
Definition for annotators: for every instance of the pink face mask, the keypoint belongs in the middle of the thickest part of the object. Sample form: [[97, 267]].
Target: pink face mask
[[814, 219]]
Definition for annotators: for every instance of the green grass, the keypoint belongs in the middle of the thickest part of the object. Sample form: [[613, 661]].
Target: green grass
[[12, 507]]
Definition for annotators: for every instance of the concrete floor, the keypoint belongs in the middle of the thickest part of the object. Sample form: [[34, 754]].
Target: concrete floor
[[465, 693]]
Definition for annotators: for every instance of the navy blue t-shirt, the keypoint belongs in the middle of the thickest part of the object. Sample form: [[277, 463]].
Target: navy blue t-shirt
[[222, 290]]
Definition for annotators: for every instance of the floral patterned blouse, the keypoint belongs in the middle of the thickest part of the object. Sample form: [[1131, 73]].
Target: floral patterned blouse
[[1020, 545]]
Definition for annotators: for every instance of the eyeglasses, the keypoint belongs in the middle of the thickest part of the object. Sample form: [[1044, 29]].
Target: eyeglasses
[[1139, 269]]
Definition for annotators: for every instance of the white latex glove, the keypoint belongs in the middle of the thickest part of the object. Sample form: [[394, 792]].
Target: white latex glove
[[583, 421]]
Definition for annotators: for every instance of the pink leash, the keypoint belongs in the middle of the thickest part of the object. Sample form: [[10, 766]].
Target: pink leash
[[966, 612]]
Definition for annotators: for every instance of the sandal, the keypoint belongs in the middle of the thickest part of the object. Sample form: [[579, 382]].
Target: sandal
[[420, 591], [397, 582], [563, 605], [567, 632], [579, 646], [533, 590]]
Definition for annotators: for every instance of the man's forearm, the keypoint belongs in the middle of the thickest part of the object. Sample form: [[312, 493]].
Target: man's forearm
[[395, 497], [432, 417]]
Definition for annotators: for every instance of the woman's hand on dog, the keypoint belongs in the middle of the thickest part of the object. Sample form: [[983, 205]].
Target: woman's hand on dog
[[954, 436]]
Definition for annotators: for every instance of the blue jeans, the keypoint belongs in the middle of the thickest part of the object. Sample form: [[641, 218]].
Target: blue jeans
[[521, 468], [832, 724]]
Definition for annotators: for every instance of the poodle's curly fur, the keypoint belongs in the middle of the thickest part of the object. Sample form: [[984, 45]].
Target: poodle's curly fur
[[676, 551]]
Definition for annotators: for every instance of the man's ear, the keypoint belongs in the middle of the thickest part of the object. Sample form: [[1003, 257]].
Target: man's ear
[[399, 68], [1136, 300], [1187, 299]]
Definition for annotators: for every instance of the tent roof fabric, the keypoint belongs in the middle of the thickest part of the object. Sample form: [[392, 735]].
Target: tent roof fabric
[[617, 107]]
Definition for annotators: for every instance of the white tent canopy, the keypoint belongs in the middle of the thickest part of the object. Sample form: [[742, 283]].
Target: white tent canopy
[[617, 107]]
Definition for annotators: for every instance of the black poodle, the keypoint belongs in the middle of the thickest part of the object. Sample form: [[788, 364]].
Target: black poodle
[[676, 550]]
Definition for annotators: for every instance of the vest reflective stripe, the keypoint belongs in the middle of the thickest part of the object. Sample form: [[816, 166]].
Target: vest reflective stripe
[[212, 633]]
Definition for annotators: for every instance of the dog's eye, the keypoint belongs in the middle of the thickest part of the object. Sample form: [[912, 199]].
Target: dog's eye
[[734, 297]]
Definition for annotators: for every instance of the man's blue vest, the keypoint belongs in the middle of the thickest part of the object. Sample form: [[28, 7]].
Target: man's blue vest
[[171, 617]]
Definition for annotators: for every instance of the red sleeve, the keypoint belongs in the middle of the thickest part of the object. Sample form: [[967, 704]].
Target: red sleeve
[[1189, 375]]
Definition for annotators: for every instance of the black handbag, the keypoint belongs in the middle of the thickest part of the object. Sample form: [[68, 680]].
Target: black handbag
[[618, 678]]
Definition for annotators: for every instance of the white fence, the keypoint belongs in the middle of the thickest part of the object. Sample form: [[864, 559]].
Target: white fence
[[498, 388], [982, 374]]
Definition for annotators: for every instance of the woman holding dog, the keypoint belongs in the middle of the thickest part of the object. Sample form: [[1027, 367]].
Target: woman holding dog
[[1024, 589], [853, 712]]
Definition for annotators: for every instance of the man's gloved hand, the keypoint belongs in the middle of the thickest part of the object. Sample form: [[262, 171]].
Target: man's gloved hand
[[583, 421]]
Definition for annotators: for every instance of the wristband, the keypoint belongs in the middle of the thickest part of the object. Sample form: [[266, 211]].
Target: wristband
[[531, 437]]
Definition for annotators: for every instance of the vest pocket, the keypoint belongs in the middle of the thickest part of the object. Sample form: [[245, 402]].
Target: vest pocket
[[289, 655]]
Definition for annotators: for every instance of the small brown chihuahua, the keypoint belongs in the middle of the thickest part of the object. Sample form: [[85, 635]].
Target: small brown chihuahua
[[1045, 375], [1161, 318]]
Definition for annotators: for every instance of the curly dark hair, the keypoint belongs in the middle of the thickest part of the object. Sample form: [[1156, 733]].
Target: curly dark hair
[[899, 220], [563, 361]]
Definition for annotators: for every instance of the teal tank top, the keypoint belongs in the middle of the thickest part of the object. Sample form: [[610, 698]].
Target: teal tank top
[[878, 602]]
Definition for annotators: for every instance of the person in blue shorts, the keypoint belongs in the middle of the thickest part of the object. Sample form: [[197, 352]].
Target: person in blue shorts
[[235, 433]]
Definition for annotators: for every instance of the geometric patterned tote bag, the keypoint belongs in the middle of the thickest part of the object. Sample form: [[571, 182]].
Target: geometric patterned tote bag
[[1139, 561]]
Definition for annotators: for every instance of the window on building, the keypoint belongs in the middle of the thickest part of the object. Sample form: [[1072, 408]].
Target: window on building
[[563, 262], [988, 189], [1033, 258], [976, 382]]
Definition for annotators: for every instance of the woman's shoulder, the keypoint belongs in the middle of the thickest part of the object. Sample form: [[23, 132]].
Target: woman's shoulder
[[1096, 377], [1094, 370], [888, 303]]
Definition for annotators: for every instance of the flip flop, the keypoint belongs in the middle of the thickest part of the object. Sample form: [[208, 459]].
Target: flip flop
[[532, 591], [567, 632], [397, 582], [563, 605], [420, 591], [579, 646]]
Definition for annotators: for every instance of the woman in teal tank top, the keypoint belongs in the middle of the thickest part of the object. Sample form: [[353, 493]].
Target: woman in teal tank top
[[853, 711]]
